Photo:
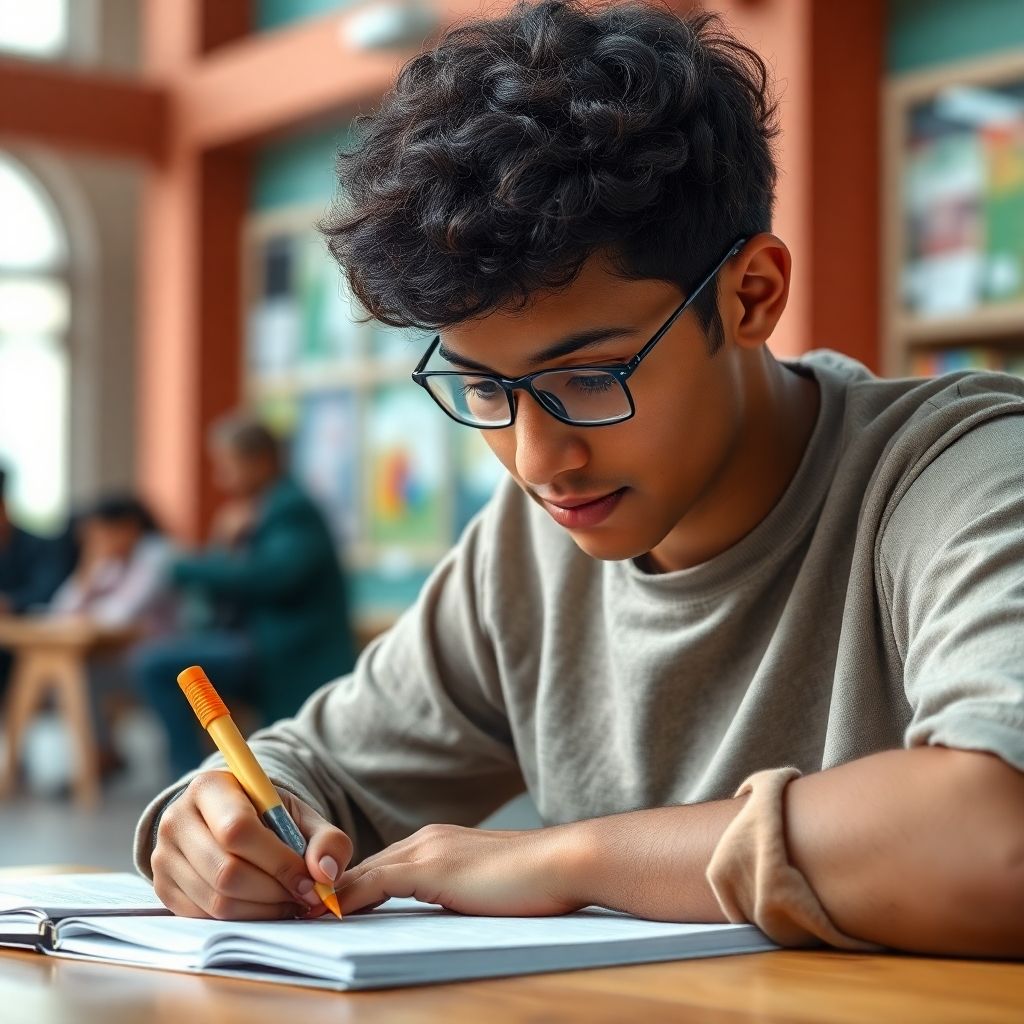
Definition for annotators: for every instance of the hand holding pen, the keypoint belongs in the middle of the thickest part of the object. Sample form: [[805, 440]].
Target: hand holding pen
[[216, 857]]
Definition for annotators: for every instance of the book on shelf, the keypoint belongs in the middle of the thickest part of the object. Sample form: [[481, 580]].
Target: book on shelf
[[116, 918], [936, 361]]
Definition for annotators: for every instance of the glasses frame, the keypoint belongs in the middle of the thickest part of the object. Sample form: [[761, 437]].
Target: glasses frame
[[621, 371]]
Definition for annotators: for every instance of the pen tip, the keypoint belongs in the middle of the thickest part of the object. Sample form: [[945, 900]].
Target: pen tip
[[331, 903]]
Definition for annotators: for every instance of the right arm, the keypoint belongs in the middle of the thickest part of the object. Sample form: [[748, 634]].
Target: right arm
[[416, 734]]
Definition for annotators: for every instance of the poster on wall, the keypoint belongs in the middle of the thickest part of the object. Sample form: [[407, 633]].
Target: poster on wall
[[325, 458], [405, 449], [963, 192]]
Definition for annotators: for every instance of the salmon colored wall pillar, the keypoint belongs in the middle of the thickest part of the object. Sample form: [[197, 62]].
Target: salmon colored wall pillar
[[826, 59], [190, 331]]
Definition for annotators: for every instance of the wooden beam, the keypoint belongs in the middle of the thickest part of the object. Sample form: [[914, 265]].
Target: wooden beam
[[228, 98], [847, 66], [83, 110]]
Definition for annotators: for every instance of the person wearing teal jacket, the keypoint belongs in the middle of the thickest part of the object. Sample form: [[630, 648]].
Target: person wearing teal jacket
[[273, 579]]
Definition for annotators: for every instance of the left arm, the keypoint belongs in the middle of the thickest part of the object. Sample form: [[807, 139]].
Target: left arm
[[919, 849]]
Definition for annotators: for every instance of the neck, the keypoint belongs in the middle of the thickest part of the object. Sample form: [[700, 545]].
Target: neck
[[782, 408]]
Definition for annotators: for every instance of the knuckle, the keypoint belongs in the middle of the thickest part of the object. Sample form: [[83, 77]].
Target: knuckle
[[227, 875], [159, 862], [232, 830], [203, 782], [221, 907], [436, 831], [165, 829], [165, 892]]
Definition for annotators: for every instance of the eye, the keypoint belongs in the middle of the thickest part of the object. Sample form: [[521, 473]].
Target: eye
[[593, 383], [480, 390]]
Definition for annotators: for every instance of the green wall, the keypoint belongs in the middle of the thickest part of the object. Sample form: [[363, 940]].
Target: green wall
[[297, 171], [272, 14], [923, 33]]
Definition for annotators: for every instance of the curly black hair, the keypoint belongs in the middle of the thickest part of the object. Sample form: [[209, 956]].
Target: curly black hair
[[517, 147]]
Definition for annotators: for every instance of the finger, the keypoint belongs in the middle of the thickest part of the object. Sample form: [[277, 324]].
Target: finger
[[177, 902], [328, 849], [233, 876], [226, 908], [384, 881], [237, 829]]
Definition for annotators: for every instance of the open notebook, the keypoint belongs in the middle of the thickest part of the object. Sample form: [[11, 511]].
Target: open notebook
[[28, 905], [403, 942]]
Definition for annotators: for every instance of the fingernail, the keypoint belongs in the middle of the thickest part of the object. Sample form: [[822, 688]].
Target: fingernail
[[329, 866], [305, 889]]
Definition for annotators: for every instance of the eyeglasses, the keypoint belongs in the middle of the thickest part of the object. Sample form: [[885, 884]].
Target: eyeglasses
[[582, 396]]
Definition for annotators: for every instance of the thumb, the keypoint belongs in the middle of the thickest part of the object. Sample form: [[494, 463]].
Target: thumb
[[328, 849]]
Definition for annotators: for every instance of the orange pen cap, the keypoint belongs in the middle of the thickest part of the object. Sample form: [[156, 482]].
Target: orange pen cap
[[199, 692]]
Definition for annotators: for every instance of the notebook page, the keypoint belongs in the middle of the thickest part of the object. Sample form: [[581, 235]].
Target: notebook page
[[61, 895], [399, 929]]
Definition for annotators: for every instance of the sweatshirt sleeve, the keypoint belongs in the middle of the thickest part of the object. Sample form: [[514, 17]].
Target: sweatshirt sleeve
[[416, 734], [952, 569]]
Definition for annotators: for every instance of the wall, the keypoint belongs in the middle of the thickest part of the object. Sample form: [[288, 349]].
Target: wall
[[923, 33], [271, 14]]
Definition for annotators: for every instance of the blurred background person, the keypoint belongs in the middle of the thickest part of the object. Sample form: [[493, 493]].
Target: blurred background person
[[121, 576], [120, 581], [276, 610], [31, 568]]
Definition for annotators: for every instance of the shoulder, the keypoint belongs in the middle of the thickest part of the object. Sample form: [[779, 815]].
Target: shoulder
[[970, 492], [979, 466]]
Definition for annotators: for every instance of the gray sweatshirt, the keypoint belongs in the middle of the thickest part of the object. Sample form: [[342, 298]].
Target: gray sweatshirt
[[879, 604]]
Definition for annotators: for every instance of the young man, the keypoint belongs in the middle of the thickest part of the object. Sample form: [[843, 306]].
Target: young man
[[749, 631]]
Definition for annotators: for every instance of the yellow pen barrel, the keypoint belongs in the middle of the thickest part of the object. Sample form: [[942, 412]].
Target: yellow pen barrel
[[243, 764]]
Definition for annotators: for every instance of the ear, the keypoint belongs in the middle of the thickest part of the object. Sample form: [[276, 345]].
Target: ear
[[757, 288]]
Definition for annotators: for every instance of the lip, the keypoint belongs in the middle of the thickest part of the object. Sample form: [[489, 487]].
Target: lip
[[578, 513]]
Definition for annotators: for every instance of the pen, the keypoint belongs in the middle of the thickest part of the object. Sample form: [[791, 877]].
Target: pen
[[215, 718]]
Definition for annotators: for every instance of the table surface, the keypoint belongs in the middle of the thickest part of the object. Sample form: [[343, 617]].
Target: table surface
[[74, 631], [769, 988], [763, 987]]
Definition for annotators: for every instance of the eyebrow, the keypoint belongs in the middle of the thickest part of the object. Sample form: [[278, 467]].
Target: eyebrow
[[564, 347]]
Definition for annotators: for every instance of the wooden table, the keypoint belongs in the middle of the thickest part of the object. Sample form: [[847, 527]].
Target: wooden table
[[767, 988], [50, 658]]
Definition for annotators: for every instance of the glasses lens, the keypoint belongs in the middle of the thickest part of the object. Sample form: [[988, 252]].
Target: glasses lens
[[583, 396], [471, 399]]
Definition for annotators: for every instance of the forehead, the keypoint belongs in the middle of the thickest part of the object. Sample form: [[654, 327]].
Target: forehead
[[596, 297]]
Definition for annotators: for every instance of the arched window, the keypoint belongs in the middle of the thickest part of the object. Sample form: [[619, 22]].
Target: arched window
[[34, 316], [34, 28]]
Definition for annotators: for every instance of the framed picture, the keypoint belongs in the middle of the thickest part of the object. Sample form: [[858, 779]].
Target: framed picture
[[406, 469], [326, 459]]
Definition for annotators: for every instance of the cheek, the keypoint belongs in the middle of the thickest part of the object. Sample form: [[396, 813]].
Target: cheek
[[683, 424]]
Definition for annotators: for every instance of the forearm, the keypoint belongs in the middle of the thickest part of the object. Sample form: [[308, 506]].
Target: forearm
[[651, 863], [911, 849], [916, 849]]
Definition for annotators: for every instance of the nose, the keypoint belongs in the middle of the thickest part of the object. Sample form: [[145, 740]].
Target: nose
[[545, 447]]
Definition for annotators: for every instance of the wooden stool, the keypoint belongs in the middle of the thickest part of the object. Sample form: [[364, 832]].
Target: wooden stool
[[50, 658]]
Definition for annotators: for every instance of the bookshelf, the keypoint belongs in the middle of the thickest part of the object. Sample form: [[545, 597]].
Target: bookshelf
[[953, 218], [397, 481]]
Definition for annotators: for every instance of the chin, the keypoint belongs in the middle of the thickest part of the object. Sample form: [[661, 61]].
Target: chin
[[610, 547]]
